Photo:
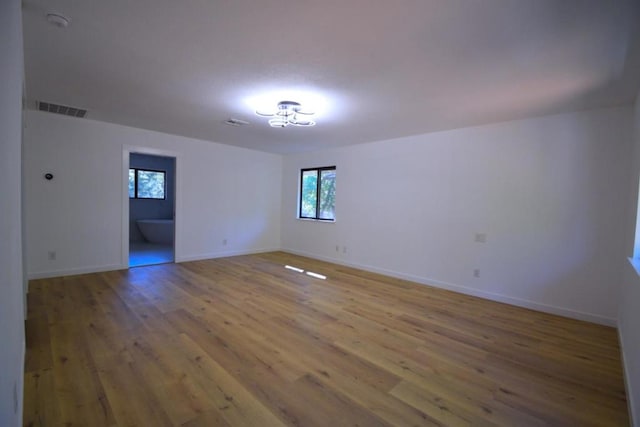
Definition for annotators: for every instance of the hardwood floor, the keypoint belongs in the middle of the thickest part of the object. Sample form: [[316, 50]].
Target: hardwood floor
[[243, 341]]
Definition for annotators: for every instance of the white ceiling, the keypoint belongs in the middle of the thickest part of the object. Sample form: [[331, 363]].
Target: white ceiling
[[381, 68]]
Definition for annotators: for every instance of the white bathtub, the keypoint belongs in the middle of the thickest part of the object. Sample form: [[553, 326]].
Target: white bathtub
[[156, 230]]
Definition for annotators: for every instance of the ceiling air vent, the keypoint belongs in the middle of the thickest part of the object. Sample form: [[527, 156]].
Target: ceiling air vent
[[61, 109], [235, 122]]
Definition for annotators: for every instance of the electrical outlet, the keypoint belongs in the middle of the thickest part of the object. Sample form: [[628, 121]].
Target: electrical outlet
[[337, 248], [476, 272], [51, 255], [344, 249], [224, 242]]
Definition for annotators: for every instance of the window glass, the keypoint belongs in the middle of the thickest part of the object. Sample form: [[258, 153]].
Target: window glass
[[318, 193], [150, 184], [132, 183], [146, 184], [327, 194], [309, 196]]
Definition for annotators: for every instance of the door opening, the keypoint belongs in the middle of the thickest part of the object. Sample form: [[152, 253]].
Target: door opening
[[152, 199]]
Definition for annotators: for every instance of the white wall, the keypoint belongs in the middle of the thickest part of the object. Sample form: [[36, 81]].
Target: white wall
[[629, 311], [546, 191], [223, 192], [11, 277]]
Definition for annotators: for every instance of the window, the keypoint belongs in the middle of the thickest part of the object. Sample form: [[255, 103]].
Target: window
[[318, 193], [146, 184]]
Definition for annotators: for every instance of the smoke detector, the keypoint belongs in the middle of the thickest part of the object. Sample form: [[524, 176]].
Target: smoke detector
[[58, 20]]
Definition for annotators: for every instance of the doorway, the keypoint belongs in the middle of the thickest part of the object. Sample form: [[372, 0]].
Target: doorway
[[152, 207]]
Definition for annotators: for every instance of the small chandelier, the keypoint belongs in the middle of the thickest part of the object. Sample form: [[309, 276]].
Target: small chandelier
[[288, 113]]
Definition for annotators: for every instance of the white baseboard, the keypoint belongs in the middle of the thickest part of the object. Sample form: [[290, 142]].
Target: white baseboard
[[223, 254], [21, 380], [560, 311], [74, 271], [99, 269], [631, 402]]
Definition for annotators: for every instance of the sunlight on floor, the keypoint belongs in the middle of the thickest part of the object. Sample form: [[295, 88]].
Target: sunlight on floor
[[309, 273]]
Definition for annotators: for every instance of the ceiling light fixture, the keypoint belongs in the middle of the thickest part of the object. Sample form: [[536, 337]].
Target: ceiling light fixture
[[288, 113]]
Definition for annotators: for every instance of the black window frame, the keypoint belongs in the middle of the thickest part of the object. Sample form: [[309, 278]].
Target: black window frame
[[135, 183], [318, 171]]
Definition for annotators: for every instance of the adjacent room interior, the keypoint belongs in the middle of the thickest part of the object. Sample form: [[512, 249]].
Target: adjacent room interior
[[151, 186], [336, 213]]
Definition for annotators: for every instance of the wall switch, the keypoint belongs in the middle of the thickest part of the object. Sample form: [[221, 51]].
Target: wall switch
[[224, 242], [344, 249], [51, 255], [337, 248], [476, 272], [481, 237]]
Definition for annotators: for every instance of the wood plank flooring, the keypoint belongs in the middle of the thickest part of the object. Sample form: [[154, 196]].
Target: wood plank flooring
[[243, 341]]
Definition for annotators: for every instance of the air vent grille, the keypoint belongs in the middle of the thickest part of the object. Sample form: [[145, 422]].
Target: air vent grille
[[235, 122], [61, 109]]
